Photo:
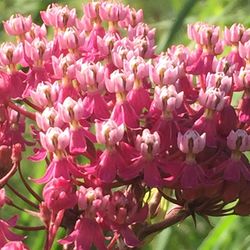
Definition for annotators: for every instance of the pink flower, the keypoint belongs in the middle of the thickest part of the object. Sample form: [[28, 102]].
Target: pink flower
[[48, 118], [5, 234], [59, 17], [206, 35], [147, 143], [167, 99], [109, 132], [18, 25], [70, 39], [133, 18], [36, 31], [91, 10], [72, 111], [191, 142], [141, 30], [55, 140], [238, 140], [138, 66], [38, 51], [213, 98], [123, 211], [122, 50], [86, 233], [112, 12], [242, 79], [11, 54], [63, 167], [244, 50], [118, 82], [91, 199], [235, 34], [45, 94], [15, 245], [219, 80], [58, 194], [164, 72], [90, 76]]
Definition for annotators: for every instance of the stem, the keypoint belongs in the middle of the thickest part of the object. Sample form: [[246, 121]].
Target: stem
[[24, 228], [15, 206], [176, 215], [113, 241], [32, 204], [32, 105], [34, 194], [5, 179], [22, 111], [168, 198]]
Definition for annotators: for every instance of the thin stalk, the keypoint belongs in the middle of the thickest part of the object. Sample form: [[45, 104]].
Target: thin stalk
[[34, 194], [24, 228], [22, 111], [176, 215], [32, 105], [32, 204], [168, 198], [15, 206], [5, 179], [113, 241]]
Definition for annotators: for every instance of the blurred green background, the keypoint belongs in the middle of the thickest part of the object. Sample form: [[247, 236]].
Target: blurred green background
[[170, 18]]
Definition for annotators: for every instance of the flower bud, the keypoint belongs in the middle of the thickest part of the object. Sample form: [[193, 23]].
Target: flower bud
[[58, 194]]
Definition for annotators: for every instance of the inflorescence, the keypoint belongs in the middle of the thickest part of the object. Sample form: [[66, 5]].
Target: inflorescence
[[120, 127]]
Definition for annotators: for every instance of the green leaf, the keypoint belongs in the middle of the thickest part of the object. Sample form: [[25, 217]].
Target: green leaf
[[180, 20], [220, 234]]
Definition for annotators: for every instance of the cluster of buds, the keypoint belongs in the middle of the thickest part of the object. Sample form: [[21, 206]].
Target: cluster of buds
[[114, 122]]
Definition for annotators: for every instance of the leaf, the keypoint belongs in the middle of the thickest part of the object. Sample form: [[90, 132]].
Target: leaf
[[219, 234], [180, 20]]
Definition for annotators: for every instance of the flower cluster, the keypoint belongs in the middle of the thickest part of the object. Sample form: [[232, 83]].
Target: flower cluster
[[114, 122]]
